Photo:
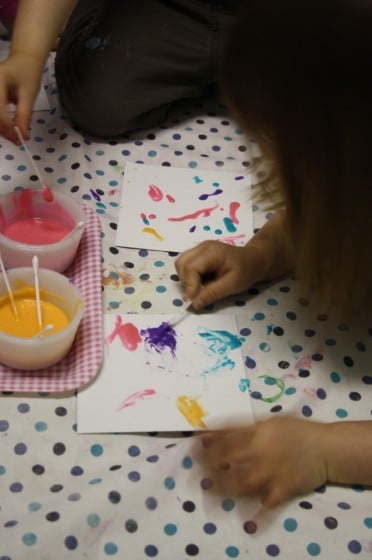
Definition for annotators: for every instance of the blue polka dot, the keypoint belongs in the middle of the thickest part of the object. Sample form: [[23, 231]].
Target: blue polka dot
[[228, 504], [2, 469], [290, 524], [110, 548], [341, 413], [152, 153], [151, 503], [161, 289], [29, 539], [170, 529], [23, 407], [187, 462], [232, 552], [134, 476], [71, 542], [96, 450], [313, 549], [368, 522], [307, 411], [354, 546], [20, 449], [4, 425], [209, 528], [151, 550], [259, 316], [134, 451], [16, 487], [34, 506], [159, 263], [93, 520], [169, 483], [273, 550], [41, 426]]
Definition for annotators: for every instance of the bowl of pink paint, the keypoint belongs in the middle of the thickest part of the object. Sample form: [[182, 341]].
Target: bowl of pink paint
[[32, 224]]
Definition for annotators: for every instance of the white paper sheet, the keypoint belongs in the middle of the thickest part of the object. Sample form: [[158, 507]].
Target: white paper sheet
[[190, 377], [174, 209]]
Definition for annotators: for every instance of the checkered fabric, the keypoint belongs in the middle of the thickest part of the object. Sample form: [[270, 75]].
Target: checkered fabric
[[86, 354]]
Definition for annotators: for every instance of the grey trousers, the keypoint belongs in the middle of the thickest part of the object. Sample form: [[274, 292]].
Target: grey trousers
[[121, 64]]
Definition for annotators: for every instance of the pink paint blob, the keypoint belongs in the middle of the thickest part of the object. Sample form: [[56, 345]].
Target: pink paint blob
[[170, 198], [233, 208], [155, 193], [128, 334], [36, 231]]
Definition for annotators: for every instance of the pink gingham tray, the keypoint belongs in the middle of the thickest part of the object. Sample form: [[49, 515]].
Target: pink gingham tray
[[85, 357]]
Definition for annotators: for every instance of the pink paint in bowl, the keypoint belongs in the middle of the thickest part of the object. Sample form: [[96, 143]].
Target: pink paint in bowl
[[30, 225]]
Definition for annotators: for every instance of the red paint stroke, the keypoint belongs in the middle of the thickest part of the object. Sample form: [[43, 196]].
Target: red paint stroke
[[155, 193], [152, 216], [233, 208], [203, 212], [135, 397], [128, 334], [231, 239], [170, 198]]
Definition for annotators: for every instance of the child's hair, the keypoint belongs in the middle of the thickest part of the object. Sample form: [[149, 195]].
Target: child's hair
[[298, 76]]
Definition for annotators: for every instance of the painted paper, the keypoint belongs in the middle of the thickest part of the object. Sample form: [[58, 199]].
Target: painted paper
[[173, 209], [156, 377]]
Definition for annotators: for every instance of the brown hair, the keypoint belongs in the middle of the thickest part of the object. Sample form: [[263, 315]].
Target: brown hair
[[298, 76]]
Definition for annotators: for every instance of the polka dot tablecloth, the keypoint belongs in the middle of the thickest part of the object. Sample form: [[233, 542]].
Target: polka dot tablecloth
[[66, 495]]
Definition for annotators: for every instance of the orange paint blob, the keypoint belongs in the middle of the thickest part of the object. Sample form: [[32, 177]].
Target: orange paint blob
[[192, 411], [25, 325]]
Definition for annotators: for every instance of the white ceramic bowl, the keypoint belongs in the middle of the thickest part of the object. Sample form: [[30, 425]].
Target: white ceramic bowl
[[36, 353], [26, 204]]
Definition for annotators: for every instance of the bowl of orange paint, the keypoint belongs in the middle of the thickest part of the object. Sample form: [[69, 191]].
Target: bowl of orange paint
[[25, 343], [31, 225]]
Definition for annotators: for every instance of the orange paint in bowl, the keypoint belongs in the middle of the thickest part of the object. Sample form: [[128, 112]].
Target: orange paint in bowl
[[25, 325]]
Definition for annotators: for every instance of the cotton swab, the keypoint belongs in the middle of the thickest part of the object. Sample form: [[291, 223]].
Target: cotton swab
[[9, 289], [77, 226], [47, 193], [180, 317], [44, 331], [35, 266], [165, 327]]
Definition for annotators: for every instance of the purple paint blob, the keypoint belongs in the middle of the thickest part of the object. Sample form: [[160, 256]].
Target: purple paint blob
[[160, 338]]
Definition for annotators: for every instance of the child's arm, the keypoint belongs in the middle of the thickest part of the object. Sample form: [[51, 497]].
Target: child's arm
[[36, 27], [214, 270], [276, 459]]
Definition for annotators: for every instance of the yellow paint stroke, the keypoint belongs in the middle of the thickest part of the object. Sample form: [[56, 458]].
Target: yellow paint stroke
[[191, 410], [153, 232]]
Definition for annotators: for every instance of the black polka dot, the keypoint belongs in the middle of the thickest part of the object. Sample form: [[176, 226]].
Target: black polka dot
[[114, 497], [188, 506]]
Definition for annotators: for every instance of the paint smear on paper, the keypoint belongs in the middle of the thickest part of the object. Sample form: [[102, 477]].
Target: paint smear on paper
[[207, 195], [153, 232], [192, 411], [232, 239], [219, 345], [160, 339], [128, 334], [205, 212], [155, 193], [233, 208], [229, 225], [135, 397]]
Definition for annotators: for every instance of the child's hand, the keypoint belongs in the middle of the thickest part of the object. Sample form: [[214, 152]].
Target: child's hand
[[19, 84], [273, 460], [214, 270]]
